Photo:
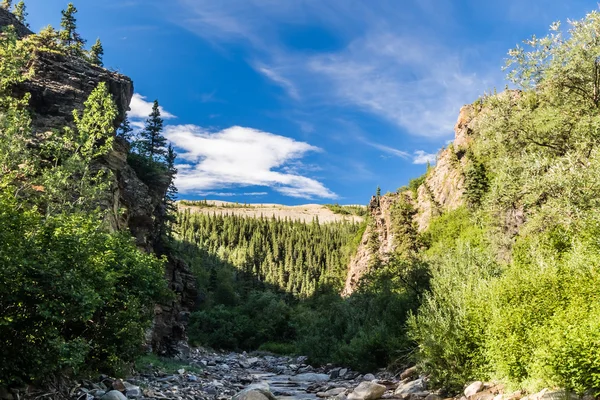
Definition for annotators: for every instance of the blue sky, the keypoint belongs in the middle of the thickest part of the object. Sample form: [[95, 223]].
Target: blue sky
[[297, 101]]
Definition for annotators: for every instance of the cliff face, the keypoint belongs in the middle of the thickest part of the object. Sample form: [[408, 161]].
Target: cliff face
[[380, 213], [61, 84], [442, 190]]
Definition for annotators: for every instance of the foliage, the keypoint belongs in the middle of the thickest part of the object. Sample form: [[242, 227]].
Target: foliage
[[293, 256], [262, 317], [20, 11], [364, 331], [74, 295], [96, 53], [414, 184], [151, 363], [476, 183], [70, 38], [360, 211], [152, 144], [515, 275]]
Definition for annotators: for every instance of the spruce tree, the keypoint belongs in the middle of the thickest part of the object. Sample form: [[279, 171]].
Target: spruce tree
[[21, 13], [68, 35], [172, 171], [153, 143], [6, 4], [96, 53], [125, 131]]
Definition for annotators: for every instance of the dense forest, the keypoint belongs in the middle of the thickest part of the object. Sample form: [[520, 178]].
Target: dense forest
[[274, 284]]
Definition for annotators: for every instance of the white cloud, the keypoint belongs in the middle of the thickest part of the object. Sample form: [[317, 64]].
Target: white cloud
[[421, 157], [415, 85], [273, 75], [237, 157], [388, 149], [140, 108]]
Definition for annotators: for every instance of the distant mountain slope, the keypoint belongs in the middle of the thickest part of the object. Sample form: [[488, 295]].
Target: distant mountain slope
[[305, 213]]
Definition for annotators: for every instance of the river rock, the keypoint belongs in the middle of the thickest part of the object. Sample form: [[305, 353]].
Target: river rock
[[132, 391], [473, 388], [310, 377], [114, 395], [367, 391], [409, 388], [331, 392], [369, 377], [256, 391], [409, 373]]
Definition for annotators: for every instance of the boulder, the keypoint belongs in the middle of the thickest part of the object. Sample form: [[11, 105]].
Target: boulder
[[367, 391], [310, 377], [369, 377], [413, 387], [114, 395], [473, 388], [256, 391], [433, 396], [409, 373], [132, 391]]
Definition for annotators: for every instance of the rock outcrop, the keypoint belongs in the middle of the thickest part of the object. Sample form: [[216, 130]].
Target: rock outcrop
[[381, 223], [61, 84], [442, 190], [8, 19]]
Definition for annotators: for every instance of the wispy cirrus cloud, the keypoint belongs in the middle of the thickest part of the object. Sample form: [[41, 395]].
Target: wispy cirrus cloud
[[241, 157], [389, 67], [276, 77]]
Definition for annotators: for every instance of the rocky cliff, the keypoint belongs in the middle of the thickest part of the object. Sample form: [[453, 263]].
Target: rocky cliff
[[441, 190], [61, 84]]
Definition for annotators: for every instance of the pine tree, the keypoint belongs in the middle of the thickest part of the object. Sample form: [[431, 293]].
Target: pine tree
[[68, 35], [152, 141], [6, 4], [96, 53], [21, 13], [172, 171], [125, 130]]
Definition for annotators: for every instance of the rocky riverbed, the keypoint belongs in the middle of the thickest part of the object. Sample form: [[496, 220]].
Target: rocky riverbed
[[233, 376]]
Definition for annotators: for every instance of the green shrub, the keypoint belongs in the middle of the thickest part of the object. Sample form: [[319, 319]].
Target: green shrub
[[263, 317], [72, 295], [451, 323]]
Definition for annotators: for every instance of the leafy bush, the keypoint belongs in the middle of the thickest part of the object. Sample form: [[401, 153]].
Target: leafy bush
[[72, 295], [450, 325], [263, 317]]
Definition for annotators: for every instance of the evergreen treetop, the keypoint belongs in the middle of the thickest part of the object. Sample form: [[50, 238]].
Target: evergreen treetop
[[21, 13], [69, 35], [153, 143], [96, 53]]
